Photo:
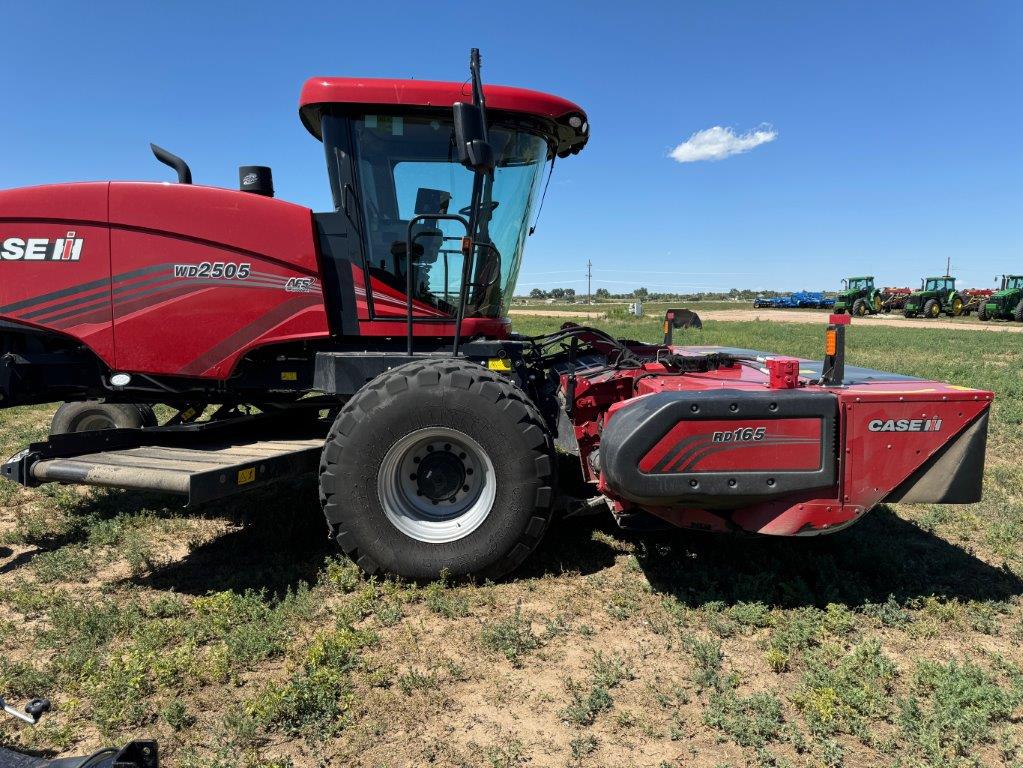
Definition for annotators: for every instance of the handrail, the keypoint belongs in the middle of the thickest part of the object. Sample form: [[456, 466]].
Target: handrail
[[409, 242]]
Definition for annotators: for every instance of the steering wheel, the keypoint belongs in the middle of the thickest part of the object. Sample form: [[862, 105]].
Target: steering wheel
[[468, 209]]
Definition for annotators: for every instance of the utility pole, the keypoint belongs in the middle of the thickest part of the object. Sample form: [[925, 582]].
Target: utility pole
[[589, 280]]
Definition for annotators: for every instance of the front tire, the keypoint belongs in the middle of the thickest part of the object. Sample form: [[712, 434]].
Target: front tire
[[859, 308], [932, 308], [94, 415], [484, 500]]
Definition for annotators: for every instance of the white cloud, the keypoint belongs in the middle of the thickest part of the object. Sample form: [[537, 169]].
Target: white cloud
[[717, 143]]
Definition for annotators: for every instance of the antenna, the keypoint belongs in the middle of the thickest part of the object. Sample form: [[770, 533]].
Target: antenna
[[478, 98]]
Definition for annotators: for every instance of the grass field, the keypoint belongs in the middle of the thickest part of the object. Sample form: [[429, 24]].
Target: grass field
[[656, 309], [237, 637]]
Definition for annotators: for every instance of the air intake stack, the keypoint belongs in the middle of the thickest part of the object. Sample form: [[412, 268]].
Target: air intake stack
[[256, 179]]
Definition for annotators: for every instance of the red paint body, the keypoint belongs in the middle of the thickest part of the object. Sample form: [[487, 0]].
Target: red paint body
[[790, 444], [382, 92], [121, 296], [871, 464], [430, 93]]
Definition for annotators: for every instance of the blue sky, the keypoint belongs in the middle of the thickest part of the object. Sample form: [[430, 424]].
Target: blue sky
[[898, 126]]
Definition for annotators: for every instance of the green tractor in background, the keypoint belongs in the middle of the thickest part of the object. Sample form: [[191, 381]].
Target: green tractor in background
[[936, 295], [859, 298], [1006, 302]]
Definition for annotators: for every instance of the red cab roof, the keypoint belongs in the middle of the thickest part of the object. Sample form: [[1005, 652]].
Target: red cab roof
[[568, 122]]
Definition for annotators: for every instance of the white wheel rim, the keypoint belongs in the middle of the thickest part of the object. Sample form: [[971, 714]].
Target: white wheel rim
[[448, 501], [95, 423]]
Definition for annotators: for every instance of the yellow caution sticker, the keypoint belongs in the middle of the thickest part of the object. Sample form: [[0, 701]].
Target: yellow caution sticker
[[246, 475], [289, 375], [499, 364]]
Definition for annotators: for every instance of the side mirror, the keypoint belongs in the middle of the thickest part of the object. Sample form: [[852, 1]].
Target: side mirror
[[474, 152], [845, 282]]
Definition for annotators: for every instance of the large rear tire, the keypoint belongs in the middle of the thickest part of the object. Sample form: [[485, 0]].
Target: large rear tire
[[435, 467], [932, 308], [94, 415], [859, 308], [1017, 313]]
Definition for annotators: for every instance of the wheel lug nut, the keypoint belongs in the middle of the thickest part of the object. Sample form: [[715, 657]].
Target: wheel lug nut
[[465, 488], [468, 470], [429, 448], [447, 446], [416, 460], [413, 476]]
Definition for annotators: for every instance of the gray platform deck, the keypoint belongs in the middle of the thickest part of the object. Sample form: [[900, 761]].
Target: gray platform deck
[[202, 474]]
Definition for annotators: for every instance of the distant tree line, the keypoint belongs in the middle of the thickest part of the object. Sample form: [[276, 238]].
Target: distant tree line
[[569, 295]]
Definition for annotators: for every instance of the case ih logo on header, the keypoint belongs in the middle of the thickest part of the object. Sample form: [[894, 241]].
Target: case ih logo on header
[[905, 425], [67, 248]]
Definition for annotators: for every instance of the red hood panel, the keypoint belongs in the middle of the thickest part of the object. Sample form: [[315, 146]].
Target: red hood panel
[[243, 221]]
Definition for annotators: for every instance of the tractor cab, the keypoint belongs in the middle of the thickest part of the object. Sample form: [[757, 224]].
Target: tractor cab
[[860, 283], [939, 284], [412, 213], [1012, 283]]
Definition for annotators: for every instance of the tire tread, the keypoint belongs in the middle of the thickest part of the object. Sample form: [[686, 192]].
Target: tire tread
[[461, 374]]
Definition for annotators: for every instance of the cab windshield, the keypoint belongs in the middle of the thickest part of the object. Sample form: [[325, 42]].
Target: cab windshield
[[406, 166], [938, 284], [856, 283], [1014, 282]]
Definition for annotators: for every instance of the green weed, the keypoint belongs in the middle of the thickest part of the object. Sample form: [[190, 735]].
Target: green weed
[[953, 707], [513, 637]]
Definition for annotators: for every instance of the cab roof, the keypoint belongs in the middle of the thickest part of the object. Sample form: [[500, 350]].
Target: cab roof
[[565, 122]]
